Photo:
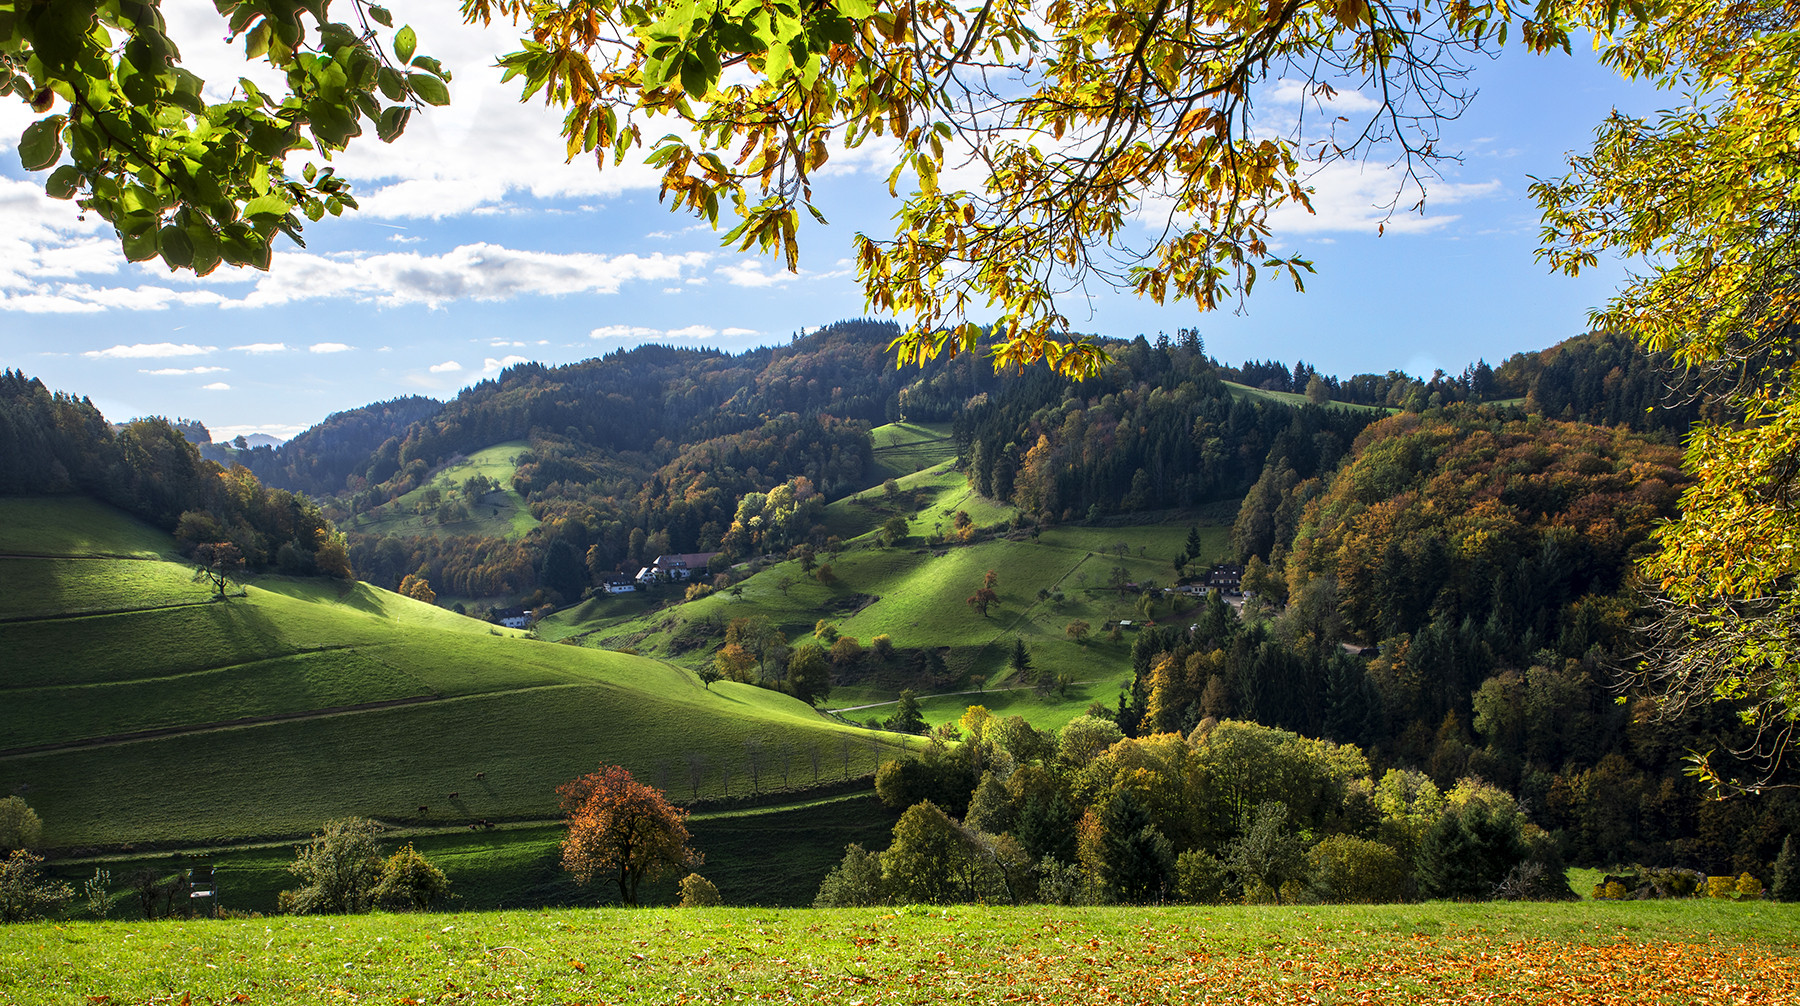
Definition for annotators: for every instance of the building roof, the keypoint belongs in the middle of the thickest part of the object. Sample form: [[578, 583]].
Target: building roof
[[684, 560]]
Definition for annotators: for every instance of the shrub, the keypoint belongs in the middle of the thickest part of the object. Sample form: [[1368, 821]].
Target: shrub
[[409, 880], [854, 883], [1721, 887], [1748, 886], [24, 894], [339, 869], [20, 827], [1351, 870], [698, 892]]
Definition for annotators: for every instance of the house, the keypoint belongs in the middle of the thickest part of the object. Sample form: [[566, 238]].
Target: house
[[616, 583], [684, 566], [512, 618], [1226, 579], [649, 576]]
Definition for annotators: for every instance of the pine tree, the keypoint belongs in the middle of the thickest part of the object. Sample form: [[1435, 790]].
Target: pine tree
[[1785, 884], [1136, 860], [1446, 861], [1021, 659], [1193, 543]]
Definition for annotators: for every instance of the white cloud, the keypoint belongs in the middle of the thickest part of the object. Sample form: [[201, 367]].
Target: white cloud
[[328, 347], [1337, 102], [493, 366], [178, 371], [262, 347], [280, 431], [448, 366], [405, 239], [1364, 199], [749, 272], [216, 386], [625, 332], [692, 332], [149, 351], [740, 332]]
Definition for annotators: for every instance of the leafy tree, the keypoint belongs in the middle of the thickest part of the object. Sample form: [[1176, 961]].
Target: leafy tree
[[934, 860], [990, 809], [1077, 630], [1201, 877], [1346, 869], [809, 674], [620, 826], [893, 531], [698, 892], [339, 869], [856, 882], [214, 564], [418, 588], [1697, 190], [24, 894], [133, 138], [20, 826], [1268, 854], [983, 599], [409, 880]]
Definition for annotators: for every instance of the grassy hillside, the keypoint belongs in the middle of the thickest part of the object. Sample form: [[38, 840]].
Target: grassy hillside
[[1522, 954], [134, 709], [915, 593], [904, 448], [1294, 399], [501, 513]]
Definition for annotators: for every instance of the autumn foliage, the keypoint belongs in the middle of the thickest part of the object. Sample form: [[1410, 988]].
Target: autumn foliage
[[622, 828]]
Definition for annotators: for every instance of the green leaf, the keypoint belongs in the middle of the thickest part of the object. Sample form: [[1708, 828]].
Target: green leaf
[[256, 41], [429, 89], [205, 248], [405, 43], [857, 9], [270, 205], [41, 145], [381, 16], [140, 247], [393, 86], [177, 250], [62, 182], [392, 123]]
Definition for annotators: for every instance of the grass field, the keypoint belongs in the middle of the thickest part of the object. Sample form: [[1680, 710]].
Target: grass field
[[498, 514], [904, 448], [1673, 953], [1296, 400], [262, 716], [915, 593]]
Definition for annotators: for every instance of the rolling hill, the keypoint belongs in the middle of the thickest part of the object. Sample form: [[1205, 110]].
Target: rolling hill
[[137, 711]]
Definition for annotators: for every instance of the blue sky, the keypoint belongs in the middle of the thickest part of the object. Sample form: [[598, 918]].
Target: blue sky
[[478, 247]]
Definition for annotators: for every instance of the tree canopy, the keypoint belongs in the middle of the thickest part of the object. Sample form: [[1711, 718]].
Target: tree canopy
[[621, 826], [1704, 192]]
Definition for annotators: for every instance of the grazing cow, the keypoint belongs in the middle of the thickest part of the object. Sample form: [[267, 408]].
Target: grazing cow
[[489, 825], [481, 775], [455, 795], [472, 827], [424, 809]]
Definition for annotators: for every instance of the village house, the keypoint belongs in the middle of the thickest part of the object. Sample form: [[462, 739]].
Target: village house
[[512, 618]]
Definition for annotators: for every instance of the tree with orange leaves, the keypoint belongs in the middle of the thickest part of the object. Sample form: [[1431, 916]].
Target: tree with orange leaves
[[620, 825]]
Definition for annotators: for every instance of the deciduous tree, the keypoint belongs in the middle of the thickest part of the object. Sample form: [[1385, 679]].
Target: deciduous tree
[[621, 827], [338, 870]]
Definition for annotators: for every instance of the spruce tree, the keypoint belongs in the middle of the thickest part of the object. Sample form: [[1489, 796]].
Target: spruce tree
[[1785, 884], [1446, 861], [1135, 858]]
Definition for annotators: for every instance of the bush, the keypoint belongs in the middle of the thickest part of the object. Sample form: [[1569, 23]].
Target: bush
[[339, 869], [409, 880], [20, 827], [1721, 887], [698, 892], [1748, 886], [1356, 871], [24, 894], [854, 883]]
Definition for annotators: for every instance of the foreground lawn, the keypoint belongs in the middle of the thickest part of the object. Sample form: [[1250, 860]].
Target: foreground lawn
[[1693, 952]]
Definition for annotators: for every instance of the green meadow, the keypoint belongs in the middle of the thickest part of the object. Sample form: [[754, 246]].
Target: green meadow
[[916, 591], [1672, 953], [904, 448], [501, 513], [1294, 399], [186, 720]]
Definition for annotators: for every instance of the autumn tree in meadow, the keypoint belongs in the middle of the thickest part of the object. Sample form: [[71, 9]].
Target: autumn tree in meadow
[[621, 827], [214, 564], [418, 588]]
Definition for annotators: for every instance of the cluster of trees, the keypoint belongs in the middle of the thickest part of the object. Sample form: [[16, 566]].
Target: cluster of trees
[[1155, 428], [342, 871], [56, 443], [1230, 811]]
